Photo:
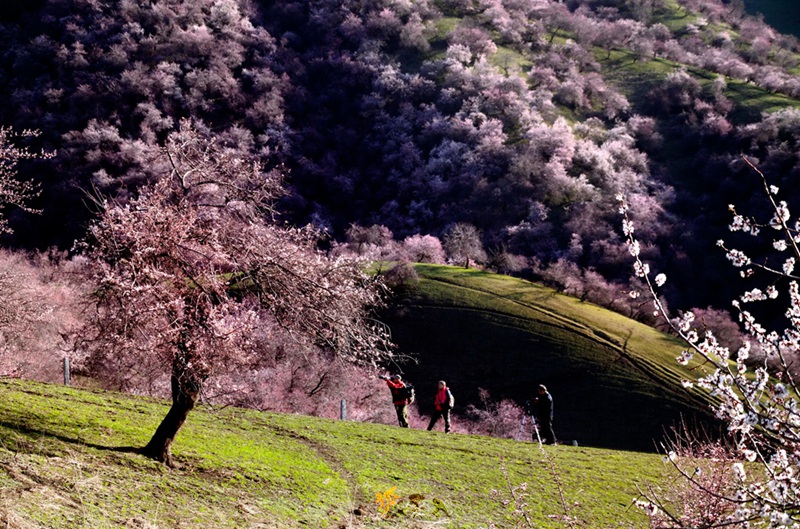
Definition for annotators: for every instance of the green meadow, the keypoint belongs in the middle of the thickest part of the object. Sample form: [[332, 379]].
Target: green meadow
[[66, 462]]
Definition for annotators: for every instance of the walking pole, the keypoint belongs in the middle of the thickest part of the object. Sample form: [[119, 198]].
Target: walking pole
[[536, 429]]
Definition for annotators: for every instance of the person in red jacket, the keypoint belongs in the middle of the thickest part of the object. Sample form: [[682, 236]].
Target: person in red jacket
[[443, 402], [399, 398]]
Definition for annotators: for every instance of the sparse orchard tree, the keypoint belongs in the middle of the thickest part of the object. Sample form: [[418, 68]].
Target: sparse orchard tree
[[361, 239], [188, 271], [759, 404], [462, 242], [422, 249], [504, 262]]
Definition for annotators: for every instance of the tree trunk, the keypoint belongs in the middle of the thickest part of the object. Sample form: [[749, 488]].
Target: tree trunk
[[186, 387]]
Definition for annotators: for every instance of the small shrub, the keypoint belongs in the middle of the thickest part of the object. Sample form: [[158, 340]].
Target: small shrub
[[401, 275]]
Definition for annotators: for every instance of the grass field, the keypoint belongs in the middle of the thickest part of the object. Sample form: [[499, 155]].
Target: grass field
[[615, 382], [66, 462]]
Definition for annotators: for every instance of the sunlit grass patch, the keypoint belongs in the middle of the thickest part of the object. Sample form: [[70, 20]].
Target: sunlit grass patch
[[242, 468]]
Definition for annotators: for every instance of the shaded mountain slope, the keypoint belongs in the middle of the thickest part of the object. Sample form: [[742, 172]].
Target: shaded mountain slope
[[615, 382]]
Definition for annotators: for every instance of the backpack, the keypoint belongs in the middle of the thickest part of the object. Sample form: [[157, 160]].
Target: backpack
[[408, 393], [451, 400]]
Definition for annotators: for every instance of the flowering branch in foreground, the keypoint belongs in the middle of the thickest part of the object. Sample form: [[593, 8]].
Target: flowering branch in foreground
[[760, 408], [14, 192]]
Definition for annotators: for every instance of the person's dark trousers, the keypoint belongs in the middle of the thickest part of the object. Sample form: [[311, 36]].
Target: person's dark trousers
[[435, 417], [402, 414], [546, 433]]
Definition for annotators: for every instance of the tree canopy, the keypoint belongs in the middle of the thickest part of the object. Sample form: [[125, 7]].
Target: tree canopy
[[189, 272]]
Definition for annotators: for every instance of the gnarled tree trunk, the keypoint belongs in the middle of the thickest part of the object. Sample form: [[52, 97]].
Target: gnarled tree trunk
[[186, 386]]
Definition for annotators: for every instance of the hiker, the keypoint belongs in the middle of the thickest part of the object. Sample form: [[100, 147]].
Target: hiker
[[443, 402], [543, 411], [400, 397]]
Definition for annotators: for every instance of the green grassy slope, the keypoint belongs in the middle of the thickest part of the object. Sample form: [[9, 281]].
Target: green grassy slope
[[65, 462], [614, 381], [636, 77]]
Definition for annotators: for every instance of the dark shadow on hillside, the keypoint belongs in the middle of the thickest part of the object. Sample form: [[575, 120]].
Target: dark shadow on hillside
[[31, 432], [603, 398]]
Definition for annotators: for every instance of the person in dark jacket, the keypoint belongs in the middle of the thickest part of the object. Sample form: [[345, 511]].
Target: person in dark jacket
[[399, 397], [443, 402], [543, 411]]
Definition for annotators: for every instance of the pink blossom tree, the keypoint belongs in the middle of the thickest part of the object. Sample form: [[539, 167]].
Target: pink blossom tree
[[39, 305], [423, 249], [32, 311], [186, 272]]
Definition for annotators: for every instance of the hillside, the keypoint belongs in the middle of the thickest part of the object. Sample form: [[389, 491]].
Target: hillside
[[615, 382], [65, 463], [524, 119], [784, 15]]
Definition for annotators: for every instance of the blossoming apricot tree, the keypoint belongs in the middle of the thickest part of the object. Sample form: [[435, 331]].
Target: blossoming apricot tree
[[14, 192], [187, 271], [30, 317], [759, 407]]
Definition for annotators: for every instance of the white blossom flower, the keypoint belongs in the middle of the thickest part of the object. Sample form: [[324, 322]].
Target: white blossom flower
[[740, 223], [648, 507], [686, 321], [788, 266], [685, 357], [772, 292], [738, 258], [660, 280], [780, 245], [749, 455], [738, 470], [781, 216], [780, 519], [753, 295], [627, 227]]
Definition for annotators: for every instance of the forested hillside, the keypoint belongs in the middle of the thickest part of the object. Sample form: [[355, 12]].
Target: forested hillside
[[522, 118], [783, 15]]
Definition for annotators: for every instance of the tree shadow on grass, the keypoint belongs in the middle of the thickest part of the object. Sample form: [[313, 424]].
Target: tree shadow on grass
[[34, 433]]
